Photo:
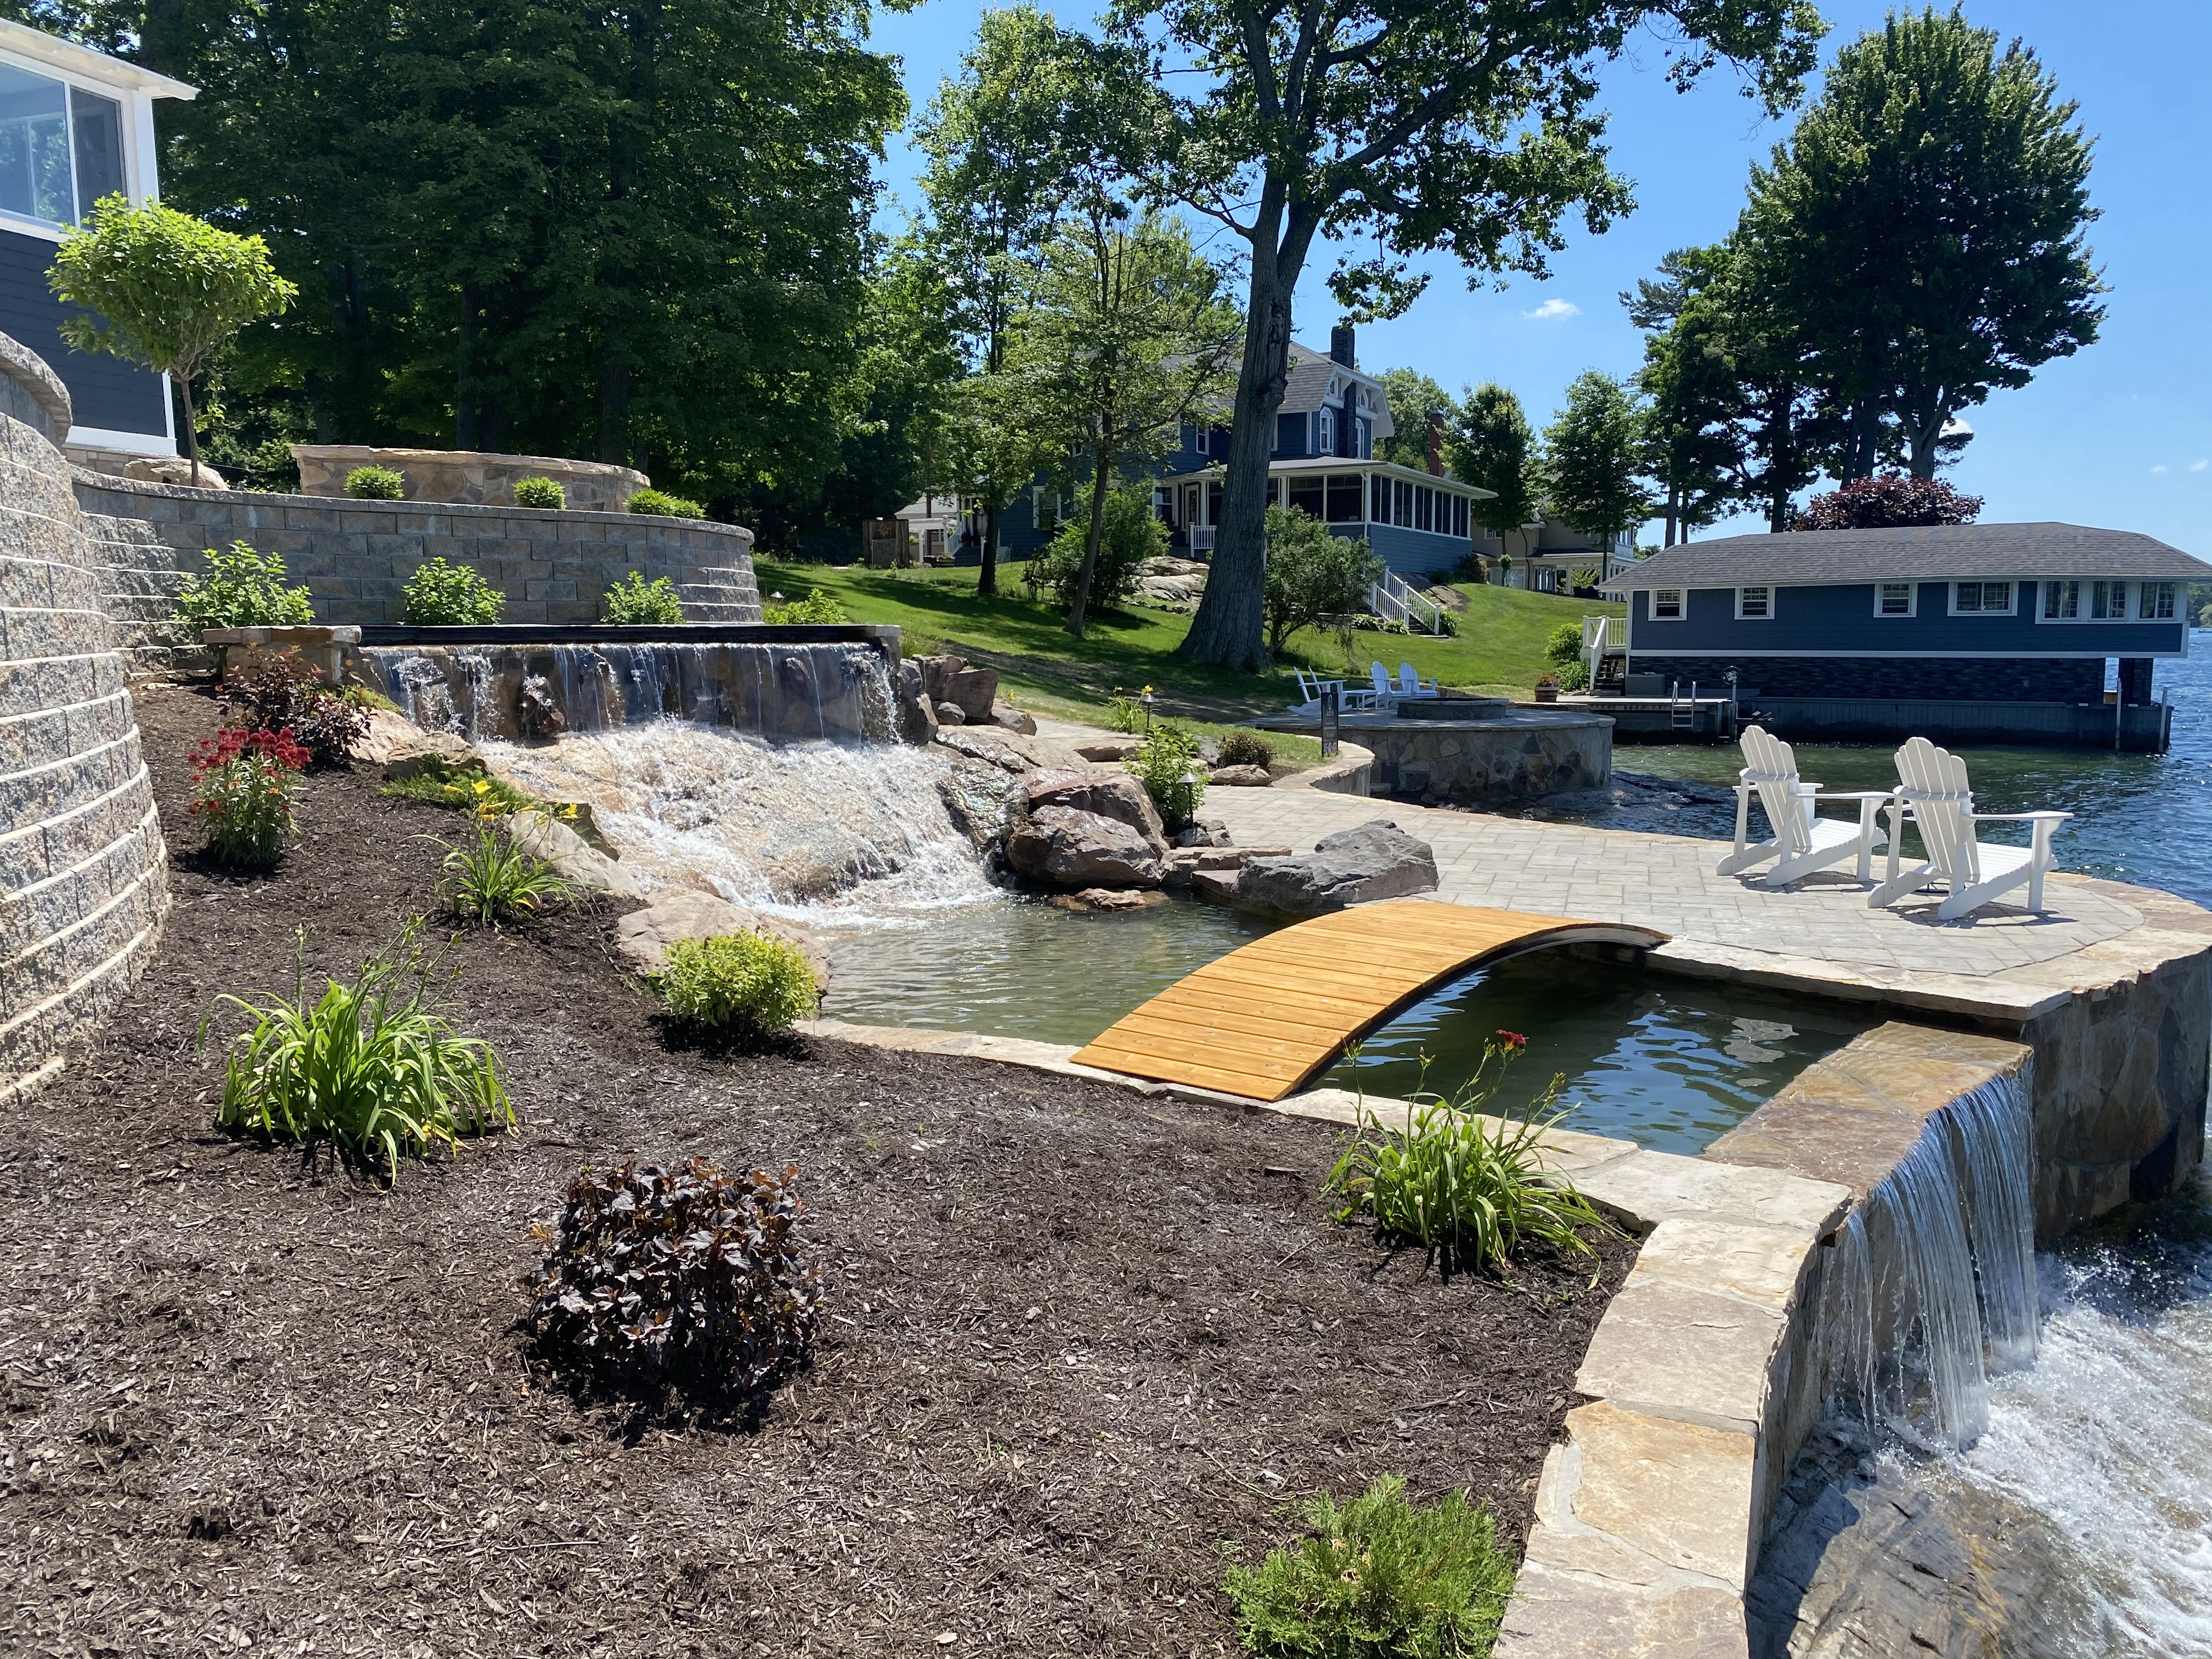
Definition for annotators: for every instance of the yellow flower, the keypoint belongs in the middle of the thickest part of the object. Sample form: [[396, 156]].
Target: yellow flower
[[481, 786]]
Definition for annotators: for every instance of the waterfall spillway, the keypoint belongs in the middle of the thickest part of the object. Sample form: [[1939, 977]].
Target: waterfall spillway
[[1932, 1290]]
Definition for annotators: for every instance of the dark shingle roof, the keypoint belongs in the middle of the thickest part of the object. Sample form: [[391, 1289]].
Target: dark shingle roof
[[1941, 551]]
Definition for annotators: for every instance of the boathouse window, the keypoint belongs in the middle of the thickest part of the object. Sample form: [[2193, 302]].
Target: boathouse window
[[2108, 601], [2062, 601], [2156, 604], [1894, 599], [1981, 600], [1665, 605], [1753, 603]]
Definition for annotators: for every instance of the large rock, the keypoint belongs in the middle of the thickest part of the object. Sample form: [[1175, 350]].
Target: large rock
[[1241, 777], [1114, 795], [1014, 719], [1071, 847], [974, 690], [429, 751], [1377, 860], [543, 835], [645, 936]]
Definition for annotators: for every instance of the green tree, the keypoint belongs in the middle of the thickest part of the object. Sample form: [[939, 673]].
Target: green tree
[[1594, 453], [165, 289], [1460, 125], [1924, 228], [1492, 445], [1313, 573], [1412, 397], [1694, 422], [1126, 334]]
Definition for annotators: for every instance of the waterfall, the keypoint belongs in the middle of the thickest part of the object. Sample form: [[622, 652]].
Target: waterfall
[[783, 689], [1930, 1288]]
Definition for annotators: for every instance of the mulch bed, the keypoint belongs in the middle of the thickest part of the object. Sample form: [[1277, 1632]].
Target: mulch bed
[[1078, 1341]]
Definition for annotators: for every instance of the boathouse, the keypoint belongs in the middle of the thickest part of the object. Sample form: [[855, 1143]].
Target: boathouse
[[1991, 632]]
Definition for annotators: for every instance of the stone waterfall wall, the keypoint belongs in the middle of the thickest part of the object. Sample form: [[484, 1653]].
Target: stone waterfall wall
[[83, 880]]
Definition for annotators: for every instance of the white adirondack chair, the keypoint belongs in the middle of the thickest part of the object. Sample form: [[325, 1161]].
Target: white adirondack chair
[[1310, 687], [1411, 685], [1935, 791], [1386, 688], [1802, 841]]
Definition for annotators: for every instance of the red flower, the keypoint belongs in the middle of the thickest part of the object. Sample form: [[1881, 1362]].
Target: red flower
[[233, 741], [1513, 1040]]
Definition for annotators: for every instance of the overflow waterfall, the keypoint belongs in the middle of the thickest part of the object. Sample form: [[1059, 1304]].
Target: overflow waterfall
[[1932, 1290]]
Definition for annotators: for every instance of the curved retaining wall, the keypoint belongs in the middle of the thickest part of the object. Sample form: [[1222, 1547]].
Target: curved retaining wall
[[83, 881]]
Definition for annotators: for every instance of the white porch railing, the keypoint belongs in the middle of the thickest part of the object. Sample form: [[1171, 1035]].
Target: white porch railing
[[1201, 538], [1395, 599]]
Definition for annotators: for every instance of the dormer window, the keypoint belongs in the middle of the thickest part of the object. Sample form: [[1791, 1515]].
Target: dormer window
[[61, 148]]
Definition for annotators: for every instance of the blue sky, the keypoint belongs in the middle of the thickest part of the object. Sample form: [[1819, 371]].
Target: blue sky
[[2119, 435]]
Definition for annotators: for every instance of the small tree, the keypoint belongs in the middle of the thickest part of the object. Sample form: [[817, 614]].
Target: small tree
[[1887, 501], [1490, 446], [1412, 397], [1594, 454], [1311, 574], [165, 289], [1129, 532]]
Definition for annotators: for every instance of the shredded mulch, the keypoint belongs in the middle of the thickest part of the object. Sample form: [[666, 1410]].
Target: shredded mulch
[[1080, 1344]]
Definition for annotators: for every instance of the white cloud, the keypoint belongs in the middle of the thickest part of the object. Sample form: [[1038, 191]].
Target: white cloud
[[2198, 466], [1553, 311], [2161, 467]]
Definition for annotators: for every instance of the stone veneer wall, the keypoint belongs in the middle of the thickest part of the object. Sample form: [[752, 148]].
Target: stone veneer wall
[[353, 555], [82, 877], [475, 476]]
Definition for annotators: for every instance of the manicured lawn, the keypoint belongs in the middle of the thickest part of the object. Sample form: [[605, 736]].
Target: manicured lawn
[[1500, 647]]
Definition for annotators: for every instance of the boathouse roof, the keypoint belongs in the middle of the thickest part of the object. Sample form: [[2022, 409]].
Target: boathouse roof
[[1940, 552]]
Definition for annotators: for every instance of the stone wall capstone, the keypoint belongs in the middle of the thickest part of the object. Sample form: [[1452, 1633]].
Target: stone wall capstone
[[82, 877]]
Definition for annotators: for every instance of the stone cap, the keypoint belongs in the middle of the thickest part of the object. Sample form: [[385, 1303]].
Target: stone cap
[[281, 638], [30, 371]]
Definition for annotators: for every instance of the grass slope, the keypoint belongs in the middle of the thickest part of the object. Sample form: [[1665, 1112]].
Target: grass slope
[[1500, 647]]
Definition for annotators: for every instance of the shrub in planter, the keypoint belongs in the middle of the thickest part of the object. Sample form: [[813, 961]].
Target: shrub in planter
[[286, 695], [815, 607], [635, 602], [681, 1272], [374, 1064], [1247, 749], [1169, 758], [539, 492], [376, 484], [667, 506], [442, 595], [246, 787], [242, 589], [735, 982], [1378, 1578]]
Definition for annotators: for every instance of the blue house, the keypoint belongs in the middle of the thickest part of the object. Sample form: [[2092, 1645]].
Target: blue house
[[1988, 631], [75, 124]]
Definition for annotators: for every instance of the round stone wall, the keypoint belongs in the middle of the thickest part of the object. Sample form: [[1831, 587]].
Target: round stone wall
[[83, 881]]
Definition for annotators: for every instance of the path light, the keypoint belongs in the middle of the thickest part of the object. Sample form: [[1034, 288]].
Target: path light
[[1146, 699], [1190, 794]]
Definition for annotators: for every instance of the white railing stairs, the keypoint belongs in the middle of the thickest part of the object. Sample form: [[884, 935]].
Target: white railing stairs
[[1395, 599]]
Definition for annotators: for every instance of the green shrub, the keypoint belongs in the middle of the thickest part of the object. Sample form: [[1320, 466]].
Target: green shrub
[[442, 595], [1378, 1579], [1312, 573], [490, 879], [668, 506], [1465, 1188], [1167, 766], [1564, 643], [684, 1271], [1247, 749], [374, 1064], [817, 607], [441, 783], [1130, 533], [376, 484], [635, 602], [286, 695], [741, 982], [1573, 677], [242, 589], [539, 492], [245, 790]]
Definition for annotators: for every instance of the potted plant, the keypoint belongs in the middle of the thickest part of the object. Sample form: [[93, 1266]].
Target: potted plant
[[1547, 689]]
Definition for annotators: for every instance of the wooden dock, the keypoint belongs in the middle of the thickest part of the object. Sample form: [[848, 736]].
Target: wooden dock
[[1261, 1021]]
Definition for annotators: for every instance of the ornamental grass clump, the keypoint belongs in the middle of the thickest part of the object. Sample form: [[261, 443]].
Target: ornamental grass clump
[[242, 588], [681, 1273], [736, 983], [1379, 1578], [287, 695], [1467, 1188], [442, 595], [489, 880], [246, 792], [540, 493], [375, 483], [635, 602], [440, 782], [374, 1064]]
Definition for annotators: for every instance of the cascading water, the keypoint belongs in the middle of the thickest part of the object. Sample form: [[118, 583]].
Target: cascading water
[[1932, 1287]]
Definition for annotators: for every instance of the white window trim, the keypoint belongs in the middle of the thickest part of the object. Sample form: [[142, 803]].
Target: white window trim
[[2012, 587], [1767, 588], [1912, 603], [2130, 604], [135, 118], [2144, 594], [1681, 605]]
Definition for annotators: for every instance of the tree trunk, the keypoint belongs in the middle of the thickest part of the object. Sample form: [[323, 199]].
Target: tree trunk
[[1673, 511], [1099, 472], [987, 577], [1923, 432], [191, 425]]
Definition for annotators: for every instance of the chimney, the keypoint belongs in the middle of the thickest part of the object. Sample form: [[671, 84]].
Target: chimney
[[1340, 346], [1435, 443]]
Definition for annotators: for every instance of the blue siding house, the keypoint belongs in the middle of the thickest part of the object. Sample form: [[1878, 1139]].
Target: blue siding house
[[2019, 620]]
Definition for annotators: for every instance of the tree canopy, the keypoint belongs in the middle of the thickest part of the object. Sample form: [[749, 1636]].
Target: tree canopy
[[1411, 396], [1594, 453], [1491, 445]]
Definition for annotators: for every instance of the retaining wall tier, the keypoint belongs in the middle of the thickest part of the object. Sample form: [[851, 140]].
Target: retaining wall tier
[[480, 477], [82, 879], [354, 557]]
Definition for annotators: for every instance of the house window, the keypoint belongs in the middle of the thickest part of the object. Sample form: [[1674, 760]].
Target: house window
[[1459, 517], [1894, 599], [1199, 440], [1308, 494], [1665, 605], [2156, 602], [2108, 601], [1325, 433], [1754, 604], [1425, 507], [1981, 598], [1403, 493], [2062, 601], [1343, 495], [61, 148], [1378, 499]]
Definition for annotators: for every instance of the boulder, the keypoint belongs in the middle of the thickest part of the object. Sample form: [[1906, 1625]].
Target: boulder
[[1241, 777], [1071, 847], [1377, 860], [1013, 719], [917, 720], [974, 690], [1093, 899], [1203, 832], [1214, 886], [1114, 795], [389, 733], [1109, 749], [172, 470], [427, 750], [644, 937], [576, 860], [948, 712], [537, 711]]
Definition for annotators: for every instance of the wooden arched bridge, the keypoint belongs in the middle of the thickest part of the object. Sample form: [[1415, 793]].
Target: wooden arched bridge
[[1263, 1020]]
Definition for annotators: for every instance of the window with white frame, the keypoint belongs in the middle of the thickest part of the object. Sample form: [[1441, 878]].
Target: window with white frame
[[2062, 601], [1981, 598], [61, 148], [1895, 598], [2156, 601], [1755, 604], [2108, 601], [1665, 605], [1325, 432]]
